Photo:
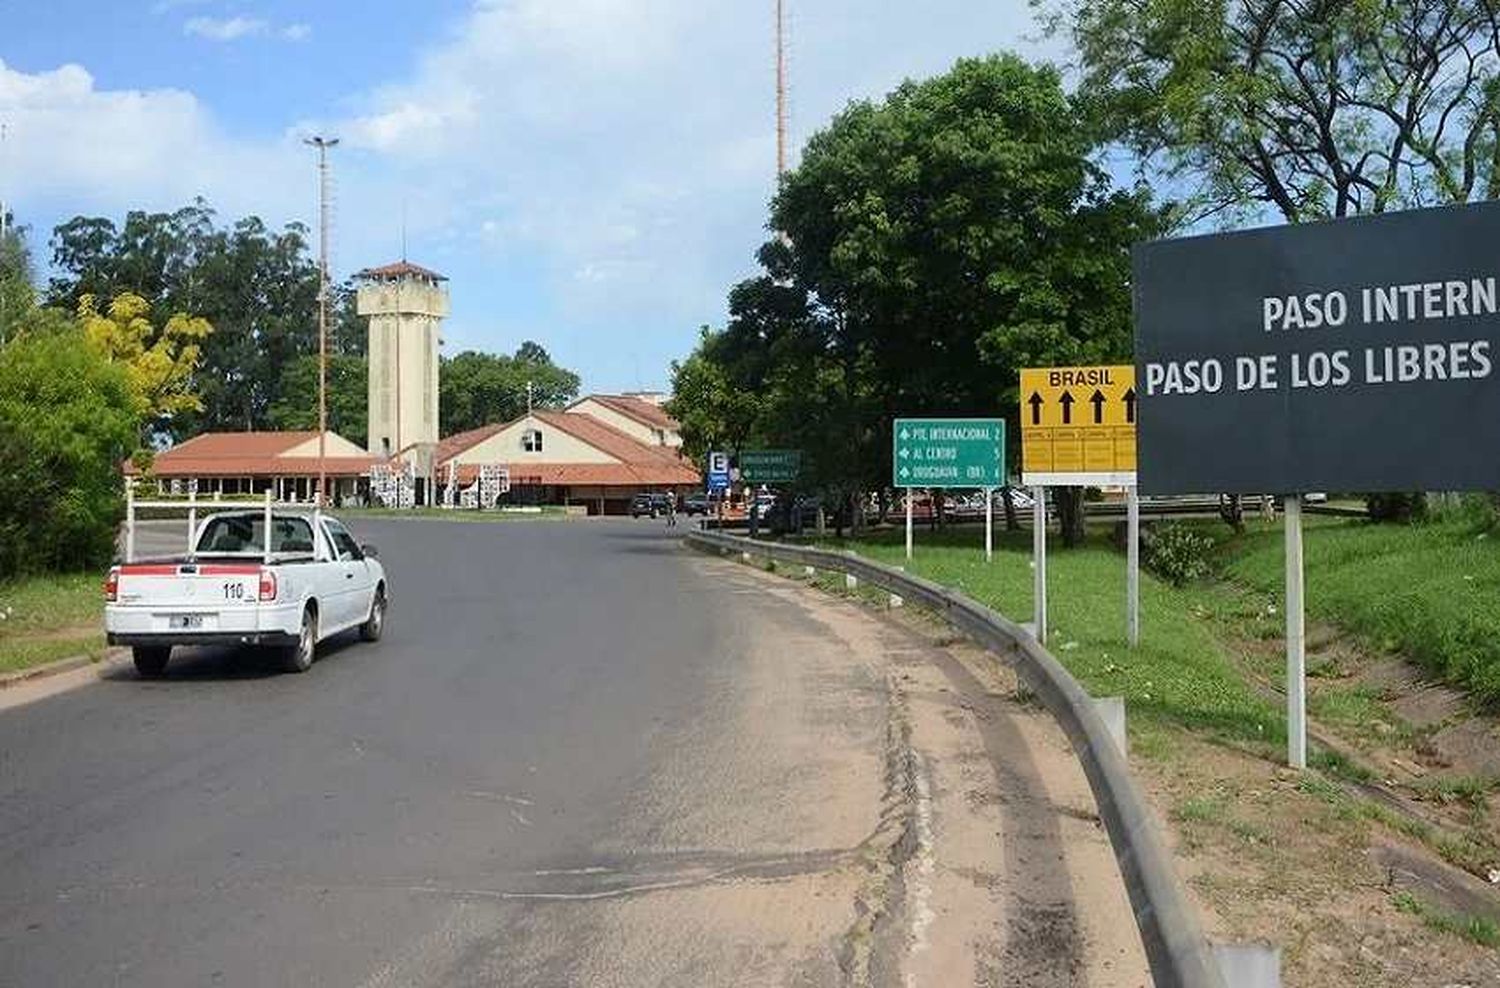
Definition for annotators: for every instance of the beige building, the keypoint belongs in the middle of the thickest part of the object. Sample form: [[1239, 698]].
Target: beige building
[[406, 304], [284, 463], [570, 458], [639, 416]]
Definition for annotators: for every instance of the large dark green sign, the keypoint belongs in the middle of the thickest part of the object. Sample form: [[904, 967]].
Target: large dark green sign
[[770, 466], [948, 453]]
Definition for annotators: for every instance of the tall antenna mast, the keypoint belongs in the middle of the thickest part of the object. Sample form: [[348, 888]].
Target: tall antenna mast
[[780, 89], [322, 144]]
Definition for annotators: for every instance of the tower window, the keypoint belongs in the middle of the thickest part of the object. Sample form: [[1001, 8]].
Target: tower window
[[531, 440]]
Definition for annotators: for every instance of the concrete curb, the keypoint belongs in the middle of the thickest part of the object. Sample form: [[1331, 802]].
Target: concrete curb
[[8, 679], [1176, 949]]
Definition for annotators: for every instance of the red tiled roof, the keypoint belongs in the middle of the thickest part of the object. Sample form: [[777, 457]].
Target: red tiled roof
[[641, 464], [643, 411], [588, 474], [399, 269], [249, 454]]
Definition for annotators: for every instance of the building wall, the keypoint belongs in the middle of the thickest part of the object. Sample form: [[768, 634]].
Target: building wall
[[557, 447], [404, 334], [637, 430]]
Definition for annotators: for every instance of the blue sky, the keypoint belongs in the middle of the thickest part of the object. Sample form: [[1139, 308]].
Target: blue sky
[[591, 174]]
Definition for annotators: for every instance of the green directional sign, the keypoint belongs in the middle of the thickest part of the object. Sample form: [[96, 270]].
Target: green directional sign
[[948, 453], [770, 466]]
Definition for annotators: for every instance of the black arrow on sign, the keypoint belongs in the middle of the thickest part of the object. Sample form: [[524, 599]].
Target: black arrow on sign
[[1067, 404], [1098, 402], [1130, 405], [1035, 401]]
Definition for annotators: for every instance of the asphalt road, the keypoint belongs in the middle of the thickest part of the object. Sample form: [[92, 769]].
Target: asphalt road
[[581, 755]]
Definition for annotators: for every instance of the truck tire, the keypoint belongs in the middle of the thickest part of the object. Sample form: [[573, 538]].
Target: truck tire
[[374, 625], [299, 657], [151, 660]]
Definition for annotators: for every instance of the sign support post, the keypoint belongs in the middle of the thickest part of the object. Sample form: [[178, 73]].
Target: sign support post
[[1296, 657], [1133, 566], [989, 524], [908, 525], [1039, 559]]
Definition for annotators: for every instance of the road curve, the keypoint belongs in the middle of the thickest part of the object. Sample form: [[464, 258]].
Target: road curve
[[581, 755]]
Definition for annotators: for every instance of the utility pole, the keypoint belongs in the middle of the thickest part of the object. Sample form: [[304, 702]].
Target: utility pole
[[322, 144], [780, 89]]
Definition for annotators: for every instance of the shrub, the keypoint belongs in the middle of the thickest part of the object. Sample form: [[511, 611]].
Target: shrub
[[1399, 506], [66, 422], [1177, 553]]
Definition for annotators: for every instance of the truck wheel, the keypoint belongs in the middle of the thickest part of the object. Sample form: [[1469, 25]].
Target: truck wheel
[[375, 623], [299, 657], [151, 660]]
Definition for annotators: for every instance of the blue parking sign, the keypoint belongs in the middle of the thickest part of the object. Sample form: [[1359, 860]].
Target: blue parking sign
[[718, 471]]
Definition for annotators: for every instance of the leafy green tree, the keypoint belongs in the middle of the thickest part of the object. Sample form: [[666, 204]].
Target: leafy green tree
[[931, 245], [296, 406], [1313, 108], [256, 286], [17, 297], [68, 418], [476, 389]]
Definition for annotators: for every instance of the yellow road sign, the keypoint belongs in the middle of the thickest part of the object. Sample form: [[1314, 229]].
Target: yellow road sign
[[1078, 425]]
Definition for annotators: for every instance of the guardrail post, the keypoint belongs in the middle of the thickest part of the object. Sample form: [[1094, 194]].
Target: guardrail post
[[1249, 965], [1112, 712]]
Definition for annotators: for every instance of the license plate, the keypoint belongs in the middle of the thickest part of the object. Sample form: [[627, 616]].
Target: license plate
[[186, 622]]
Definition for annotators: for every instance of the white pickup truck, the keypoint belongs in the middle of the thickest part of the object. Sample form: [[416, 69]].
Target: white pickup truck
[[286, 579]]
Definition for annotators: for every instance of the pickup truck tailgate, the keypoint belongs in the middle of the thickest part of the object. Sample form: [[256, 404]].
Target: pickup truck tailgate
[[190, 588]]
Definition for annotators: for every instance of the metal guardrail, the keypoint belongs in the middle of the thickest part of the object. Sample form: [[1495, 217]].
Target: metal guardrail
[[1176, 949]]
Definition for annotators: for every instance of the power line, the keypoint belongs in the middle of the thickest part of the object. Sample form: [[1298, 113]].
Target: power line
[[322, 144]]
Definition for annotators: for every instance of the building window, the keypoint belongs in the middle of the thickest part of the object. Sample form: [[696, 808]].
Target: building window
[[531, 440]]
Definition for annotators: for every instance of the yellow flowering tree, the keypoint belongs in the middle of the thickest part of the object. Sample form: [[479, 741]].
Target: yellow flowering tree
[[159, 364]]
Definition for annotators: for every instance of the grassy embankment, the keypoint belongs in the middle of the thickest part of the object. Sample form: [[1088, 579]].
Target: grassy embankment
[[46, 618], [1428, 591], [1191, 686]]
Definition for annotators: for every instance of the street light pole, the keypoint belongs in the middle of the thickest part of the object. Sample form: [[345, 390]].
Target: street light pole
[[322, 144]]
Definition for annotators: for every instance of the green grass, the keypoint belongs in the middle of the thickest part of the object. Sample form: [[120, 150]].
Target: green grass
[[1428, 591], [1479, 929], [50, 617], [1179, 676]]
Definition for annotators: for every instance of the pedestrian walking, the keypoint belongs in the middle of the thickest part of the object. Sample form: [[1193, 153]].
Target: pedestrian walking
[[671, 510]]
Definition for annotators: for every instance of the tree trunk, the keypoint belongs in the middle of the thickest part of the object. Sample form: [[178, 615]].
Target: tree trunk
[[1070, 515], [1011, 522]]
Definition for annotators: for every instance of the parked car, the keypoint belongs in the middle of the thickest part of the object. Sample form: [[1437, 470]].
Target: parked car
[[650, 504], [697, 504], [287, 586]]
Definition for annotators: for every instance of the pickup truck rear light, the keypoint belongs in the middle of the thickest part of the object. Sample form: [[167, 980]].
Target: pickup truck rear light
[[112, 585], [267, 585]]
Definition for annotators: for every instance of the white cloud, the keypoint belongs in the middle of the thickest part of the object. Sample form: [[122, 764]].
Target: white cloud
[[225, 28], [85, 149], [296, 32], [626, 146]]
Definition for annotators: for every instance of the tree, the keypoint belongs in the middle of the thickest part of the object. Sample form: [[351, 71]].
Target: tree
[[1314, 108], [257, 287], [296, 406], [930, 246], [17, 297], [477, 389], [159, 364], [68, 417]]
